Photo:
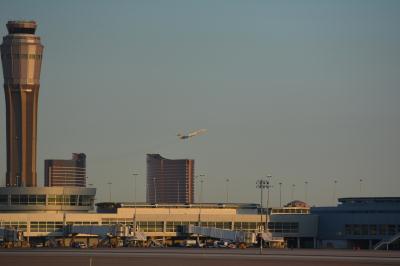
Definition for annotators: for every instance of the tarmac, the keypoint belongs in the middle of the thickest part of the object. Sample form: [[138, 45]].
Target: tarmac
[[195, 257]]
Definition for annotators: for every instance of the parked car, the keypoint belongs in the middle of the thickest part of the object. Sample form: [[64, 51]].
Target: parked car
[[79, 245], [221, 244], [232, 245], [189, 243], [37, 245]]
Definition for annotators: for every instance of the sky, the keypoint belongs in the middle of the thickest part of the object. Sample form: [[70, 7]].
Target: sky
[[304, 91]]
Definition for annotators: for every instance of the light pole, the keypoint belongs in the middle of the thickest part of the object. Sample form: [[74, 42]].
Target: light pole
[[361, 181], [261, 184], [134, 198], [280, 194], [293, 188], [155, 190], [200, 201], [334, 191], [201, 190], [268, 187], [109, 191], [201, 179], [134, 186], [227, 190], [267, 214], [306, 191]]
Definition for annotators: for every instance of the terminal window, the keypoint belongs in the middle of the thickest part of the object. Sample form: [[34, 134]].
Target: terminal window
[[23, 199], [3, 199], [371, 229], [282, 227], [19, 225]]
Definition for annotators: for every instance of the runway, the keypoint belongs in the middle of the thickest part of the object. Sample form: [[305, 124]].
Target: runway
[[195, 257]]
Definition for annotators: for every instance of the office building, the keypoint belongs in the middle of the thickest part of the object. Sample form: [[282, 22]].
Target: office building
[[21, 56], [169, 181], [66, 173]]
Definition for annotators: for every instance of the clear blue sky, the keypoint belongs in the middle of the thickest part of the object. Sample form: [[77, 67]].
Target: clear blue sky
[[301, 90]]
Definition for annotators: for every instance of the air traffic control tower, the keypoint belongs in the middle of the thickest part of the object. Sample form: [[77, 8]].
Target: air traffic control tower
[[21, 55]]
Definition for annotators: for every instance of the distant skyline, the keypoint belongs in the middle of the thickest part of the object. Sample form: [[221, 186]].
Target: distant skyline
[[306, 91]]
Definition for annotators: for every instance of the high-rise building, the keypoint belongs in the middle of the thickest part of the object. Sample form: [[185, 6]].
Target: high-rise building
[[21, 56], [66, 173], [169, 181]]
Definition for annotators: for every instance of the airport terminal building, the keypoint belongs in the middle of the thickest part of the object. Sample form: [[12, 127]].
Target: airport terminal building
[[354, 223], [358, 222]]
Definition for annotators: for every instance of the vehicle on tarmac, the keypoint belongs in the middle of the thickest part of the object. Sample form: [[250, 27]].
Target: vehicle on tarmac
[[37, 245], [79, 245], [189, 243], [221, 244]]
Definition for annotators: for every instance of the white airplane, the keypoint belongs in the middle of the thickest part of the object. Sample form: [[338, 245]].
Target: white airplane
[[192, 134]]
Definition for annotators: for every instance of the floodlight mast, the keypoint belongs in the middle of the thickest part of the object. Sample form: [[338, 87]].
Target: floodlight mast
[[261, 184]]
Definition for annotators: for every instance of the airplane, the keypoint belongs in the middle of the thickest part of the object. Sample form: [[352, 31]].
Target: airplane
[[192, 134]]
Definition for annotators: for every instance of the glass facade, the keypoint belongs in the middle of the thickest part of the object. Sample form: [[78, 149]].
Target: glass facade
[[23, 199], [175, 225], [32, 199], [46, 226], [22, 226], [246, 226], [290, 211], [83, 223], [150, 226], [283, 227], [3, 199], [21, 56], [144, 226], [371, 229], [220, 225], [72, 200], [117, 221]]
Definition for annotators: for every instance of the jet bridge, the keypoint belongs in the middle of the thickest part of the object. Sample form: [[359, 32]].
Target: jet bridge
[[99, 230], [223, 234], [122, 231]]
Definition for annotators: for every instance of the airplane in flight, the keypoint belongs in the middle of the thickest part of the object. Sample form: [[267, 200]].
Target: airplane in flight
[[192, 134]]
